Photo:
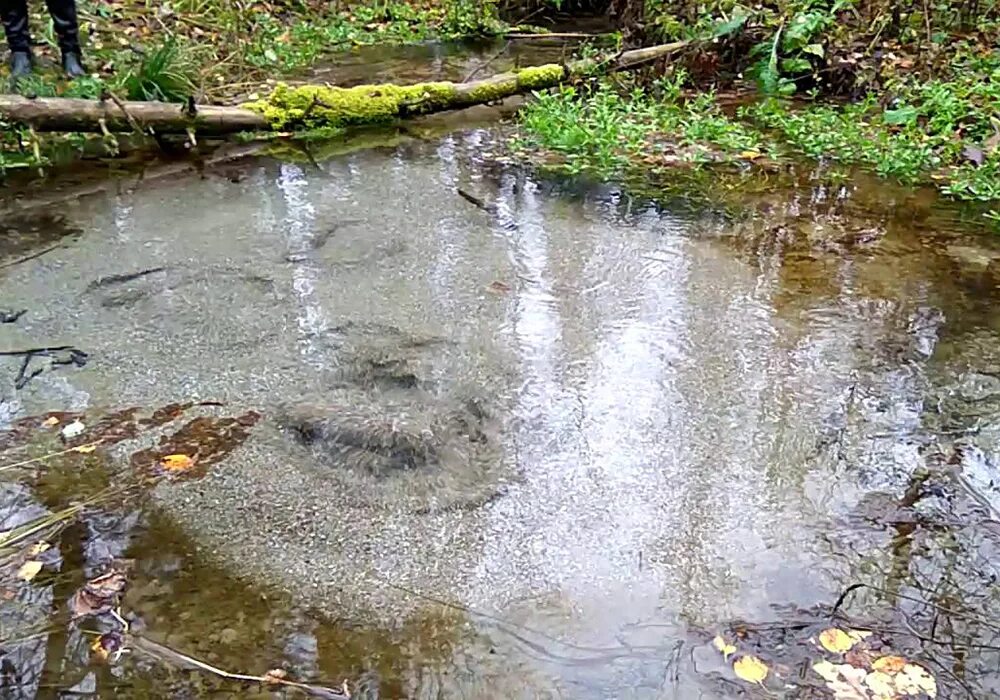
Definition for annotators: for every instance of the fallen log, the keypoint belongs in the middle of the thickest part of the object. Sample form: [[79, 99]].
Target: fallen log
[[308, 106], [72, 114]]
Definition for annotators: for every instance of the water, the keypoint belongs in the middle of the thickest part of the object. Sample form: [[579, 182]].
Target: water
[[698, 414]]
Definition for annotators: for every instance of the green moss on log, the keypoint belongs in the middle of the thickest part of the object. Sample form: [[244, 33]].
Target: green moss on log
[[310, 107], [315, 106], [540, 77], [494, 90]]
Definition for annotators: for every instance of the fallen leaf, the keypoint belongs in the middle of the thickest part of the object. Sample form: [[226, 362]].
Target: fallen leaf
[[915, 679], [73, 429], [723, 646], [751, 669], [85, 449], [29, 570], [859, 635], [880, 683], [826, 670], [38, 548], [859, 657], [275, 675], [750, 155], [836, 640], [98, 595], [50, 421], [177, 463], [889, 664], [106, 644]]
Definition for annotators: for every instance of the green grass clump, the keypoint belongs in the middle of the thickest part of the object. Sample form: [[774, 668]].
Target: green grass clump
[[164, 74], [606, 128]]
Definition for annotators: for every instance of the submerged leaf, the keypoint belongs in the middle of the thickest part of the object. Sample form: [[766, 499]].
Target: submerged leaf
[[275, 676], [889, 664], [85, 449], [50, 421], [826, 670], [107, 644], [73, 429], [750, 669], [723, 646], [915, 679], [98, 595], [836, 640], [38, 548], [177, 463], [880, 683], [29, 570]]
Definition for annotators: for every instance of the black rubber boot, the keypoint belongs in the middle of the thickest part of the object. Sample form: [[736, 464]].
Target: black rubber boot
[[21, 63], [67, 32], [72, 66], [14, 14]]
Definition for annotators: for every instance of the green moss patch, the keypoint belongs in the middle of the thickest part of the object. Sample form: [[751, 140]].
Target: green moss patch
[[315, 107]]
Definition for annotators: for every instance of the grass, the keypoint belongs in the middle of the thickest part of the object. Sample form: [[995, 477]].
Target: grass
[[165, 74], [605, 129], [945, 132]]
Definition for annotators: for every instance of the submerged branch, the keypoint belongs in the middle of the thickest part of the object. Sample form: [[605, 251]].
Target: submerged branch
[[272, 678]]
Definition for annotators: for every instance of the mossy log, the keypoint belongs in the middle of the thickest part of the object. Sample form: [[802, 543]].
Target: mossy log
[[306, 107]]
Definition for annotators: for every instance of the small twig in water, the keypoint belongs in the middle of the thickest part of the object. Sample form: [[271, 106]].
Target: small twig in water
[[855, 586], [165, 653], [35, 460], [26, 258], [124, 277], [473, 199], [482, 66]]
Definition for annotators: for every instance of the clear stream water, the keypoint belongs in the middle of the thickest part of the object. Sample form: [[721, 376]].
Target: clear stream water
[[703, 412]]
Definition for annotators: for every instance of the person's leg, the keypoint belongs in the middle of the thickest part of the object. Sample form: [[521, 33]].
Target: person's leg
[[67, 31], [15, 26]]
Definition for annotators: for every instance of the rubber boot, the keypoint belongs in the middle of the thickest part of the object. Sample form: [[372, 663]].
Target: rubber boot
[[21, 63], [71, 64], [67, 32], [14, 14]]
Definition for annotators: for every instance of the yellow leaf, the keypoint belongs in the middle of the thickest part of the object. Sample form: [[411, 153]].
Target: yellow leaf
[[836, 640], [85, 449], [29, 570], [880, 683], [50, 421], [915, 679], [97, 646], [889, 664], [38, 548], [751, 669], [826, 670], [858, 635], [177, 463], [750, 155], [723, 646]]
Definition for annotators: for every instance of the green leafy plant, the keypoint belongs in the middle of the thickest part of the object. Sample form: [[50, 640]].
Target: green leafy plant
[[609, 127], [472, 18]]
